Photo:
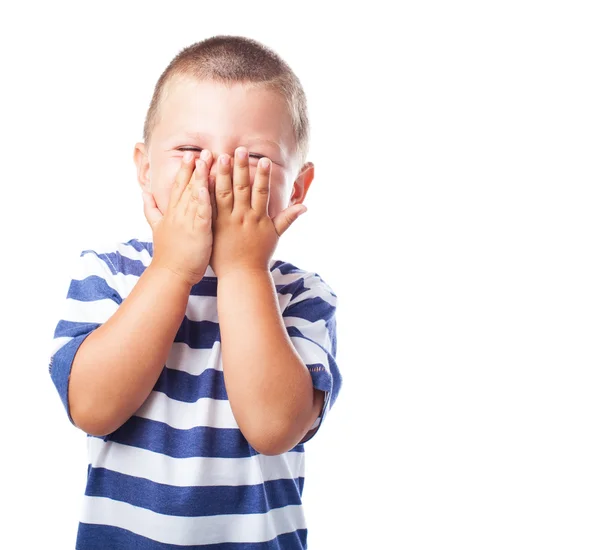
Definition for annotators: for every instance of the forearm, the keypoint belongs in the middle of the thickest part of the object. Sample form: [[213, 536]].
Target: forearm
[[269, 387], [117, 365]]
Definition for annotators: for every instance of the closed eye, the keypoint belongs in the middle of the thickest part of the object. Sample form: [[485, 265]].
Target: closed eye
[[199, 150]]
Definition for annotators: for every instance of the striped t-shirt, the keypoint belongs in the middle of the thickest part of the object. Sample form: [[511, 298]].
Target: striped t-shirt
[[179, 473]]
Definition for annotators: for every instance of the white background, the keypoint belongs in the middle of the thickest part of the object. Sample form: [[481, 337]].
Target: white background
[[454, 213]]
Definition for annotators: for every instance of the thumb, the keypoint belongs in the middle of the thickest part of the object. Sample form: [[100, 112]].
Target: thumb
[[285, 219], [151, 211]]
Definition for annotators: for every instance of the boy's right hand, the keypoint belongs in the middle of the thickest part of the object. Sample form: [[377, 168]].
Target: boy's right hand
[[183, 235]]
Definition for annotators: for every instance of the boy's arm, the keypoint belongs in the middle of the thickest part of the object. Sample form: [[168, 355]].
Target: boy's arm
[[269, 387], [118, 364]]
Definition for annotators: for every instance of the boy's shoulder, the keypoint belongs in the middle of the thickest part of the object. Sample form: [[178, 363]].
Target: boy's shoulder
[[291, 279], [129, 257]]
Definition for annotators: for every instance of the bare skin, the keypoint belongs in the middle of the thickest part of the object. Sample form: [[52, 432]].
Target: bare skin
[[220, 216], [118, 364], [269, 387]]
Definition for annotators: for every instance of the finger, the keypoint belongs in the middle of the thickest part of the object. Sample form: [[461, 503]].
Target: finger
[[241, 180], [181, 179], [151, 211], [207, 157], [223, 191], [203, 215], [191, 195], [260, 187], [180, 208], [286, 218]]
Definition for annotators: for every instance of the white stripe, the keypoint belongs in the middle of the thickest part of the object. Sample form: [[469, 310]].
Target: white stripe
[[316, 423], [194, 361], [202, 308], [193, 471], [287, 278], [98, 311], [315, 292], [310, 352], [314, 330], [193, 530], [214, 413], [127, 251], [58, 343], [92, 265], [317, 288]]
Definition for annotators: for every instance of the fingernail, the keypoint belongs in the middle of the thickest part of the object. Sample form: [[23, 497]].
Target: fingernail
[[265, 162], [205, 155], [224, 160], [240, 153]]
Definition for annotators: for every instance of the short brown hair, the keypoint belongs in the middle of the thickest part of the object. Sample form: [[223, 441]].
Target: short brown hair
[[232, 59]]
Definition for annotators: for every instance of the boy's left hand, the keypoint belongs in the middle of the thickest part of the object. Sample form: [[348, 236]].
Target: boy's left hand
[[244, 236]]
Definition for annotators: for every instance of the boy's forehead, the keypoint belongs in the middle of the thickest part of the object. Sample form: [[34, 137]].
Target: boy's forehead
[[203, 109]]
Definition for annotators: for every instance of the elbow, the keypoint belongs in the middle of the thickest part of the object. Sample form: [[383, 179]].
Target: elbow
[[271, 448], [91, 421], [274, 440]]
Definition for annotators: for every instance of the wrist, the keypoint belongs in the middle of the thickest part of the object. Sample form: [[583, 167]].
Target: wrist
[[170, 277], [242, 273]]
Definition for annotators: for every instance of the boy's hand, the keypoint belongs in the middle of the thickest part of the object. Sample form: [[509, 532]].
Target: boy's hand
[[183, 236], [244, 236]]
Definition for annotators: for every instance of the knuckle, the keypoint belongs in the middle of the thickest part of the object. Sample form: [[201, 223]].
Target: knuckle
[[203, 220], [222, 193]]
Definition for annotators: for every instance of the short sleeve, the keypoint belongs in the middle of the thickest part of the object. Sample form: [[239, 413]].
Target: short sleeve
[[310, 320], [91, 300]]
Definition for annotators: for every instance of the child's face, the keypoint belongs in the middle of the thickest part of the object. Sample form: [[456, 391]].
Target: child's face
[[199, 114]]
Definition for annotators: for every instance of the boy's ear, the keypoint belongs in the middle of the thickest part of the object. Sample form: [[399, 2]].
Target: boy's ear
[[302, 183], [140, 157]]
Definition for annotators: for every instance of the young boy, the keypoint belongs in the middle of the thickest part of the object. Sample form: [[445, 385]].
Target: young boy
[[197, 364]]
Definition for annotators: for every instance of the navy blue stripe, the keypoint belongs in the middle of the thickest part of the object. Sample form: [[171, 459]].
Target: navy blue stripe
[[138, 245], [286, 267], [311, 309], [118, 263], [104, 537], [193, 442], [206, 287], [183, 386], [60, 369], [326, 380], [198, 334], [276, 264], [331, 325], [72, 328], [93, 288], [194, 501], [200, 441], [295, 288]]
